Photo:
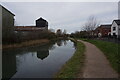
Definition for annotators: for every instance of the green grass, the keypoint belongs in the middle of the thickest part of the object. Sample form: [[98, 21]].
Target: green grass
[[110, 50], [73, 67]]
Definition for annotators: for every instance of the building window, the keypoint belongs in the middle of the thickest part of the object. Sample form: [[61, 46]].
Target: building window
[[114, 28], [114, 34]]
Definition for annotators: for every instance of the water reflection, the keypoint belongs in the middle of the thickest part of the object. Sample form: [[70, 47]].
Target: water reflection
[[0, 63], [8, 65], [65, 43], [42, 54], [59, 43], [36, 61]]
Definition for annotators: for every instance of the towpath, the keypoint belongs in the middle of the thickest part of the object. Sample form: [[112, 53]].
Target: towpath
[[96, 64]]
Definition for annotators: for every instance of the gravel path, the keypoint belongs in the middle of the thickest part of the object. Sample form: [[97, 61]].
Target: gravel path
[[96, 64]]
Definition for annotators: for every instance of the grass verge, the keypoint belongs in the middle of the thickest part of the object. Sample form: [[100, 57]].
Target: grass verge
[[110, 50], [73, 67]]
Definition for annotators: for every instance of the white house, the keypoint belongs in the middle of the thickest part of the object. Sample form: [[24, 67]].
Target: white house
[[115, 28]]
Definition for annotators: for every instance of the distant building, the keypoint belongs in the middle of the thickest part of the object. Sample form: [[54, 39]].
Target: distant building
[[27, 28], [42, 23], [115, 28], [103, 30], [7, 23]]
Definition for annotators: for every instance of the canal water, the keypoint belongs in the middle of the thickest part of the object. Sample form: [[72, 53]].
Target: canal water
[[36, 61]]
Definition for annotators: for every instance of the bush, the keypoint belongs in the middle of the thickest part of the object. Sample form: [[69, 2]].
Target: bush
[[20, 36]]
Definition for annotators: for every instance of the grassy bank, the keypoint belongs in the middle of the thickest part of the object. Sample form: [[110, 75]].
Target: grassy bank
[[110, 50], [73, 67], [26, 43]]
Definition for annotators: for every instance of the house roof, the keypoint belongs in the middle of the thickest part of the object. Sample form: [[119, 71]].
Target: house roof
[[41, 19], [117, 21], [7, 10], [106, 26]]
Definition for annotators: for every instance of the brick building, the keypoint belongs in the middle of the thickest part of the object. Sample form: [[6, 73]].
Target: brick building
[[103, 30], [41, 24]]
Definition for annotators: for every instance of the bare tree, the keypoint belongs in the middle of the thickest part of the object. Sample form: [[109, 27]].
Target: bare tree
[[64, 32], [52, 30], [91, 24], [59, 32]]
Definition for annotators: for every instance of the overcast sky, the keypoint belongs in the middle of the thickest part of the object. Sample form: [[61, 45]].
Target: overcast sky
[[62, 15]]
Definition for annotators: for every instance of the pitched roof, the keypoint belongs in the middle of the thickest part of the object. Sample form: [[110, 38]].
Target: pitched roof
[[7, 10], [117, 21], [106, 26], [41, 19]]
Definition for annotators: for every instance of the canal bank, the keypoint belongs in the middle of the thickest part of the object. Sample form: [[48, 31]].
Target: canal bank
[[31, 43], [73, 67], [26, 43]]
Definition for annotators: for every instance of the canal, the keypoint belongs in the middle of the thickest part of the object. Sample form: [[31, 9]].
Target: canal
[[36, 61]]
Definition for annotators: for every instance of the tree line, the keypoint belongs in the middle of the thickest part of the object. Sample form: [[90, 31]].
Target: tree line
[[87, 29], [21, 36]]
